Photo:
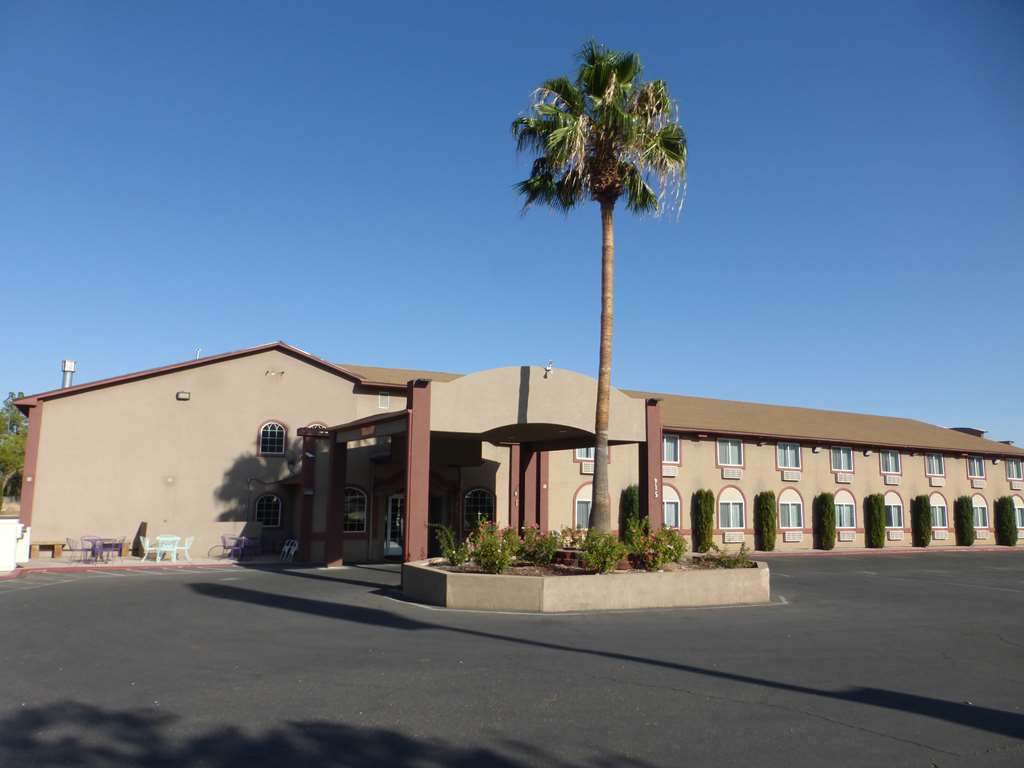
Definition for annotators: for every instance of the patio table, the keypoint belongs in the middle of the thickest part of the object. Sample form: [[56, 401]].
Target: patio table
[[167, 545]]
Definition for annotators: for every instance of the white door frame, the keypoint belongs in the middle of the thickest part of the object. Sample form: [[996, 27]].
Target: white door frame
[[392, 548]]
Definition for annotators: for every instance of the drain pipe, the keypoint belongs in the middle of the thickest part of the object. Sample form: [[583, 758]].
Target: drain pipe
[[67, 367]]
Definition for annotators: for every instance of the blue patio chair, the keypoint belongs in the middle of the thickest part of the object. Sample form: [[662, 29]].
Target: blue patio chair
[[167, 545], [184, 548], [147, 548], [288, 550], [232, 546]]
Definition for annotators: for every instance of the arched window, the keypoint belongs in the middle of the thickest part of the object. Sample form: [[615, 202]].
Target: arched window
[[846, 510], [731, 509], [940, 513], [980, 507], [272, 439], [671, 506], [581, 506], [268, 511], [791, 509], [1018, 506], [477, 507], [893, 510], [355, 511]]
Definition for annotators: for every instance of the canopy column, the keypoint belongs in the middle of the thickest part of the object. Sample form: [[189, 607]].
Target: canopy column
[[335, 544], [417, 470], [533, 487], [650, 467]]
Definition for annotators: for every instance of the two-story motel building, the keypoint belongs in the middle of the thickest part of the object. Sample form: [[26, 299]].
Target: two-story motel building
[[354, 461]]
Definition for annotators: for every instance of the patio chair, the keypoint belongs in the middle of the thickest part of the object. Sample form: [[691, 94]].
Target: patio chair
[[93, 548], [184, 548], [167, 545], [232, 546], [147, 548], [288, 550], [77, 549]]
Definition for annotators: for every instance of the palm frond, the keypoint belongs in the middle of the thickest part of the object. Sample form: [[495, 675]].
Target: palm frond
[[640, 198]]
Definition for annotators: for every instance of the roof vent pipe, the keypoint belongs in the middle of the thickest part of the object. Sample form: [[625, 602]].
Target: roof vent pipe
[[67, 367]]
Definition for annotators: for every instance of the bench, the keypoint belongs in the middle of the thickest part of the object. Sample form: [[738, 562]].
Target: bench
[[55, 547]]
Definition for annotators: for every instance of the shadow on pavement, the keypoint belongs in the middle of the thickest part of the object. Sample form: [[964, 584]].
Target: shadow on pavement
[[75, 734], [982, 718]]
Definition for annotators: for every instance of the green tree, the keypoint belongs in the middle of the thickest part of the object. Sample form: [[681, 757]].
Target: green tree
[[13, 431], [608, 135]]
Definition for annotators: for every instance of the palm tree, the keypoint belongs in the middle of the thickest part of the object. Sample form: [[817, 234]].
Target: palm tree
[[606, 136]]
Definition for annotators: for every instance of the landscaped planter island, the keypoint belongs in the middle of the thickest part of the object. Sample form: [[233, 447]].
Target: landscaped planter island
[[427, 581]]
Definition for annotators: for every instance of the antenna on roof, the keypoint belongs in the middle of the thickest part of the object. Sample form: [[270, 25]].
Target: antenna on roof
[[199, 351], [548, 368]]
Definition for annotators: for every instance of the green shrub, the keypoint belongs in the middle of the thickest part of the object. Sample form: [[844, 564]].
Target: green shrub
[[602, 551], [702, 513], [494, 552], [1006, 522], [538, 548], [455, 554], [653, 551], [720, 559], [825, 521], [963, 521], [874, 520], [638, 531], [921, 520], [629, 505], [669, 546], [765, 520]]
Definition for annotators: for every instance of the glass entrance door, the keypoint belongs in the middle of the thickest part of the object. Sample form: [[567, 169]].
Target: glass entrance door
[[394, 527]]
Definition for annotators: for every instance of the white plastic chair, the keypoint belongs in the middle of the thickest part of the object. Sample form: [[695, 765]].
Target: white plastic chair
[[167, 545], [147, 548], [288, 550], [184, 548]]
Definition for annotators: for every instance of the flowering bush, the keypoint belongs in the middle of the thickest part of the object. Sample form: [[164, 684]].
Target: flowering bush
[[495, 552], [602, 551], [538, 548], [455, 554], [653, 551], [573, 538]]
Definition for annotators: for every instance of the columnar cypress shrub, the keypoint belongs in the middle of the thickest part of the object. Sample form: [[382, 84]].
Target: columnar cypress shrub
[[874, 520], [766, 520], [921, 520], [629, 505], [1006, 522], [702, 515], [825, 521], [963, 521]]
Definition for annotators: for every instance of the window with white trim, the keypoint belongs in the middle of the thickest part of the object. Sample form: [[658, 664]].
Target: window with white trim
[[355, 511], [842, 459], [670, 507], [935, 465], [581, 507], [890, 461], [268, 511], [940, 515], [730, 453], [670, 449], [585, 454], [893, 510], [478, 507], [1013, 470], [272, 440], [383, 400], [731, 509], [791, 510], [1018, 506], [976, 467], [788, 455], [846, 510], [980, 507]]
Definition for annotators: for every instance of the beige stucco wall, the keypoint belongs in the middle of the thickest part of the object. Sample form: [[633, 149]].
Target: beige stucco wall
[[566, 478], [112, 458]]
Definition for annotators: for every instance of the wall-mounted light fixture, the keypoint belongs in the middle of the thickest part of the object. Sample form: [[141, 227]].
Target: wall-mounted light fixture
[[867, 452], [182, 395]]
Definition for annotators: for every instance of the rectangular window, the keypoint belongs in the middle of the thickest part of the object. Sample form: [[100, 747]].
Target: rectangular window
[[671, 514], [731, 514], [842, 459], [585, 454], [890, 462], [976, 467], [935, 465], [939, 518], [670, 449], [582, 514], [893, 516], [791, 515], [384, 400], [789, 456], [1013, 469], [981, 517], [730, 453], [846, 517]]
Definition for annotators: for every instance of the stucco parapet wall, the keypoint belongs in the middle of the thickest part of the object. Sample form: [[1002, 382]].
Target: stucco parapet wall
[[617, 591]]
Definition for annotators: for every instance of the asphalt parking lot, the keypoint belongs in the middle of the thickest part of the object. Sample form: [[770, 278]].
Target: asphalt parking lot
[[883, 660]]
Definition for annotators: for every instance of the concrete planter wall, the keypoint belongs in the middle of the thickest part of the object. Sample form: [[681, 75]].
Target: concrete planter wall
[[607, 592]]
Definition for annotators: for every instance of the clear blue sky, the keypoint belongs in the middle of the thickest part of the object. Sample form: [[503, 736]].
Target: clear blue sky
[[339, 175]]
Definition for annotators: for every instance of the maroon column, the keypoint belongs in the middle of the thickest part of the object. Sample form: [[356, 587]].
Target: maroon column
[[308, 476], [533, 487], [650, 467], [417, 470], [515, 514], [542, 492], [334, 546]]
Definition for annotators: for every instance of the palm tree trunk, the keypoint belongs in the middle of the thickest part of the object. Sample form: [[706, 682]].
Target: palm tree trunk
[[601, 511]]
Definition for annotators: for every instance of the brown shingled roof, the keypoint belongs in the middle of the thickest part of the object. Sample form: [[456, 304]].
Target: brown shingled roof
[[395, 376]]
